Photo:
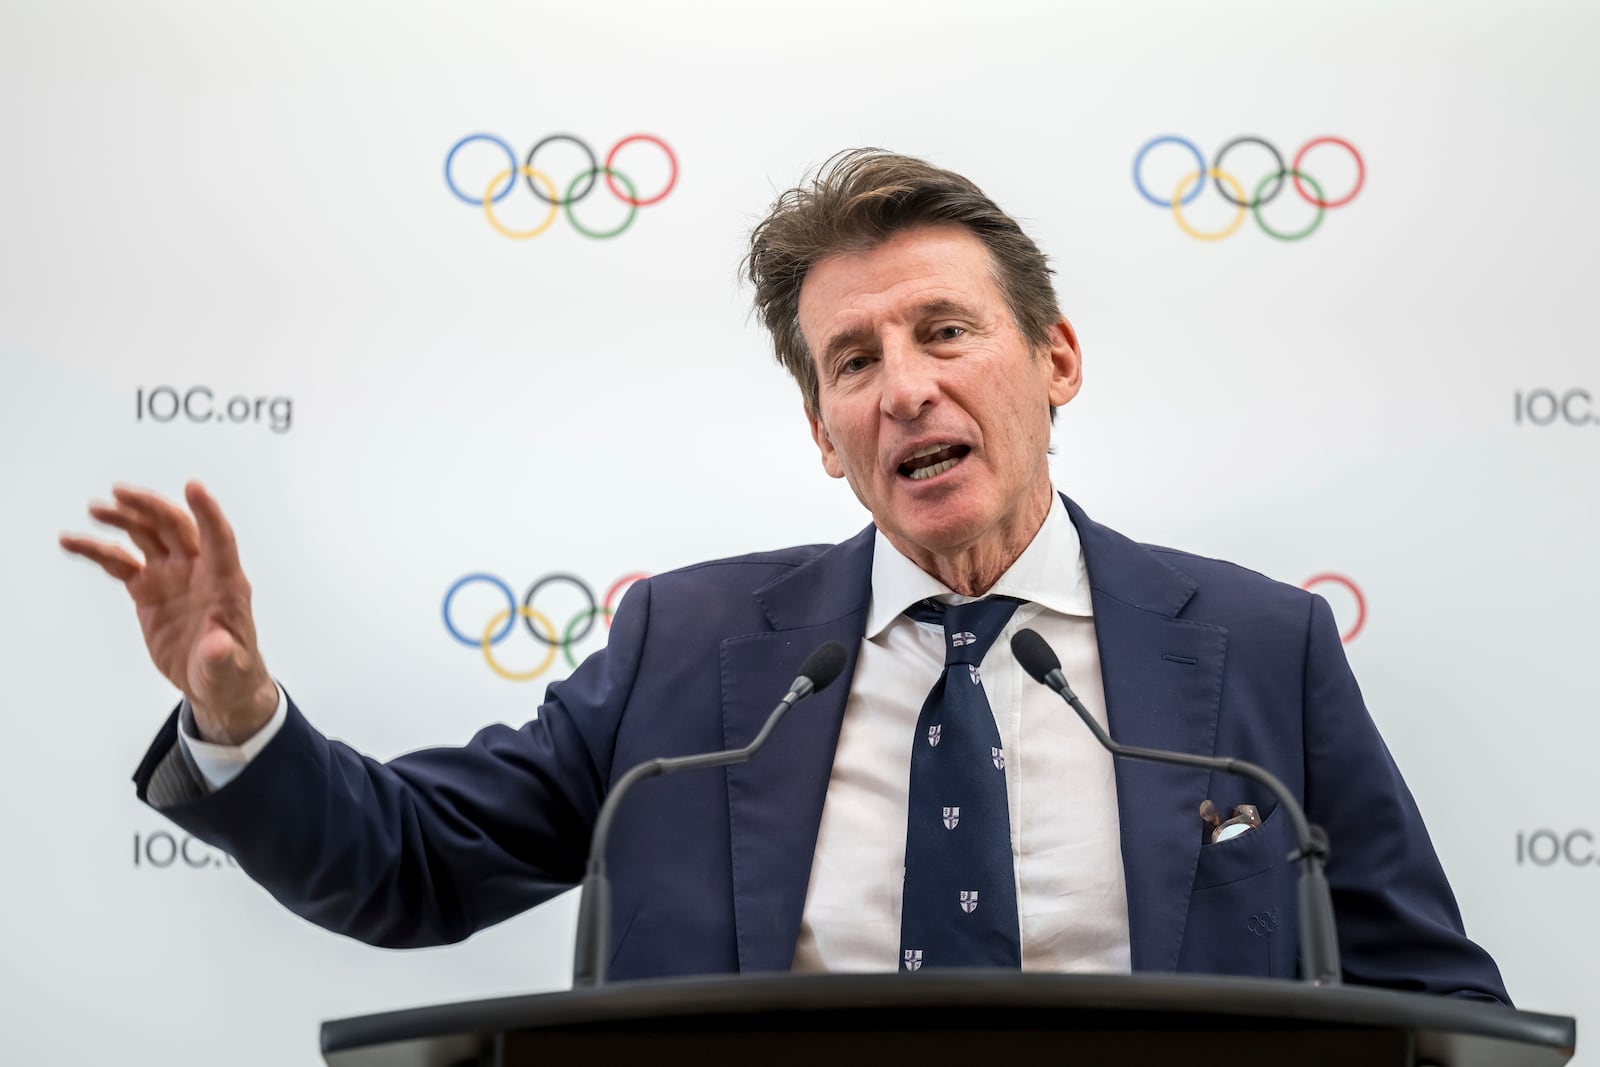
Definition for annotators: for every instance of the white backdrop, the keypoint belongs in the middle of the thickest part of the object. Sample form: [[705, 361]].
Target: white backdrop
[[251, 200]]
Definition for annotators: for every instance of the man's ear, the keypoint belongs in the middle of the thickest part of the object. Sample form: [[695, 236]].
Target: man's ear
[[1066, 363], [830, 455]]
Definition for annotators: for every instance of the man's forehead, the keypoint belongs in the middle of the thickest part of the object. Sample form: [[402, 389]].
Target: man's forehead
[[927, 270]]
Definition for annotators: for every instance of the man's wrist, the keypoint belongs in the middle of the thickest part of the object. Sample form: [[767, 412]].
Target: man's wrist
[[218, 764], [236, 729]]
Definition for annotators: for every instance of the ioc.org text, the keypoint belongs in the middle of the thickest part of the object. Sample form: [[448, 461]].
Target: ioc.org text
[[1556, 407], [202, 404]]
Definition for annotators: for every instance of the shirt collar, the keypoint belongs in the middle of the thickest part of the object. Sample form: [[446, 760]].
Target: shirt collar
[[1050, 572]]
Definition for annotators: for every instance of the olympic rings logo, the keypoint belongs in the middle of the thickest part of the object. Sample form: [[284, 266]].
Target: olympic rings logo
[[485, 195], [1265, 923], [1351, 588], [1232, 189], [539, 626]]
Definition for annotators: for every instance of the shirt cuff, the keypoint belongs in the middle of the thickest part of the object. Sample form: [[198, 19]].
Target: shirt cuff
[[217, 765]]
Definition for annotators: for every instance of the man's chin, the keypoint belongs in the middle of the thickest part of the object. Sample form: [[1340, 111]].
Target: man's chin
[[943, 535]]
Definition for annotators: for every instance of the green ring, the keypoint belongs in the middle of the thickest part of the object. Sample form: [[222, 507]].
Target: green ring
[[584, 616], [1255, 209], [633, 206]]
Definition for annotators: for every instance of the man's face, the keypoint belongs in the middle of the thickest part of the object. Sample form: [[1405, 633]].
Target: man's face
[[931, 403]]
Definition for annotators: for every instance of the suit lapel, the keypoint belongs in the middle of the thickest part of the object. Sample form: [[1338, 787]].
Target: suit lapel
[[1163, 686], [775, 800]]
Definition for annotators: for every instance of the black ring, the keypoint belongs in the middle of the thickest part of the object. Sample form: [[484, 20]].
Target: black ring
[[583, 587], [594, 169], [1216, 167]]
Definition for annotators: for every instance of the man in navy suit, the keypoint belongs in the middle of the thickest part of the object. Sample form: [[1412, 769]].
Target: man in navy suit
[[922, 328]]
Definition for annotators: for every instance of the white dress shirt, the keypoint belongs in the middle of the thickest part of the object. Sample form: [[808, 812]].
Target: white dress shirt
[[1060, 787], [1061, 791]]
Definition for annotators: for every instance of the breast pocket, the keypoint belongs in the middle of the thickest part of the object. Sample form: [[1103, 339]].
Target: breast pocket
[[1247, 855], [1242, 911]]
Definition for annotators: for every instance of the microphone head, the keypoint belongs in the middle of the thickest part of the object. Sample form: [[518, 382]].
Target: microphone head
[[825, 663], [1035, 655]]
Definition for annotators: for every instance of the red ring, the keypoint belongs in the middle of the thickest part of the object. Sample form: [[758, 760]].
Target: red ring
[[1361, 601], [627, 579], [1361, 171], [612, 182]]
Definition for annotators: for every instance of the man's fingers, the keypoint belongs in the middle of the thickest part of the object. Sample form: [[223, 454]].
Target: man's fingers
[[170, 523], [216, 535], [129, 523], [160, 527], [113, 559]]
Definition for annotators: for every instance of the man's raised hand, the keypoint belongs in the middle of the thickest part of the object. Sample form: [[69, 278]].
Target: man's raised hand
[[193, 604]]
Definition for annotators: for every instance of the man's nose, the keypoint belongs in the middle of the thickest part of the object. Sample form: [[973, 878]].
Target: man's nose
[[910, 381]]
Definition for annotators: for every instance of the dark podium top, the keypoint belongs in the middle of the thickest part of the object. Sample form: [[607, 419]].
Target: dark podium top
[[936, 1017]]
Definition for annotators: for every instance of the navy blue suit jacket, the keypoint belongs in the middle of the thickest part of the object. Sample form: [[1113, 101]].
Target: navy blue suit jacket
[[710, 869]]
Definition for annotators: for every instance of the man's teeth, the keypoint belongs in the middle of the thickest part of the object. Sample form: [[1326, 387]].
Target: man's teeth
[[943, 454], [928, 472]]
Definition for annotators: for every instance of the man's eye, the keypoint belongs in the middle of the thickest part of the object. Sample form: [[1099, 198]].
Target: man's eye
[[853, 365], [948, 333]]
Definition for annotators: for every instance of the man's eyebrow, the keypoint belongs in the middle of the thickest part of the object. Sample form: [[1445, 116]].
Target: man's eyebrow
[[856, 335], [935, 308], [847, 338]]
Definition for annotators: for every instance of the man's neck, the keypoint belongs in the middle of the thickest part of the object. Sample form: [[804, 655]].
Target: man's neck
[[973, 569]]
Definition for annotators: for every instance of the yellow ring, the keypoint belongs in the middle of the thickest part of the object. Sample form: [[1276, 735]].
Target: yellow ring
[[488, 208], [1177, 208], [526, 613]]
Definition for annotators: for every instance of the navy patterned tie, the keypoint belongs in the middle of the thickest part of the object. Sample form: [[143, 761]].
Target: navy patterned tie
[[960, 900]]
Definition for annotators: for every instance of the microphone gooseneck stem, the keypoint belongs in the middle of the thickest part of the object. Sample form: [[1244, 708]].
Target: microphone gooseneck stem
[[589, 960], [1319, 943]]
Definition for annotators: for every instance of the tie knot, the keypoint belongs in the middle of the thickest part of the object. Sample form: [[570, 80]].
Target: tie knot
[[969, 629]]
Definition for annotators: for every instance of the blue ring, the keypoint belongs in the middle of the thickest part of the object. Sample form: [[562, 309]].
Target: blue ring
[[1138, 162], [477, 201], [511, 603]]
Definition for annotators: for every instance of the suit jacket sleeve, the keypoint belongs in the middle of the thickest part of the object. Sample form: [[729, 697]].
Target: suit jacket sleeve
[[435, 844], [1399, 926]]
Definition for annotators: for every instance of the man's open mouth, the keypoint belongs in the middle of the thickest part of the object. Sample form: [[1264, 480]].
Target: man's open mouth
[[932, 461]]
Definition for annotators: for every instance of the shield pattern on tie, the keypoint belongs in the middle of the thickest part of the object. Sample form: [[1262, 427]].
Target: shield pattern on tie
[[974, 672], [952, 817], [969, 900], [999, 757], [912, 957], [933, 735], [965, 637]]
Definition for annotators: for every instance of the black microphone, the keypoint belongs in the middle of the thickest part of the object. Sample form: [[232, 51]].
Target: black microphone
[[1319, 943], [594, 900]]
